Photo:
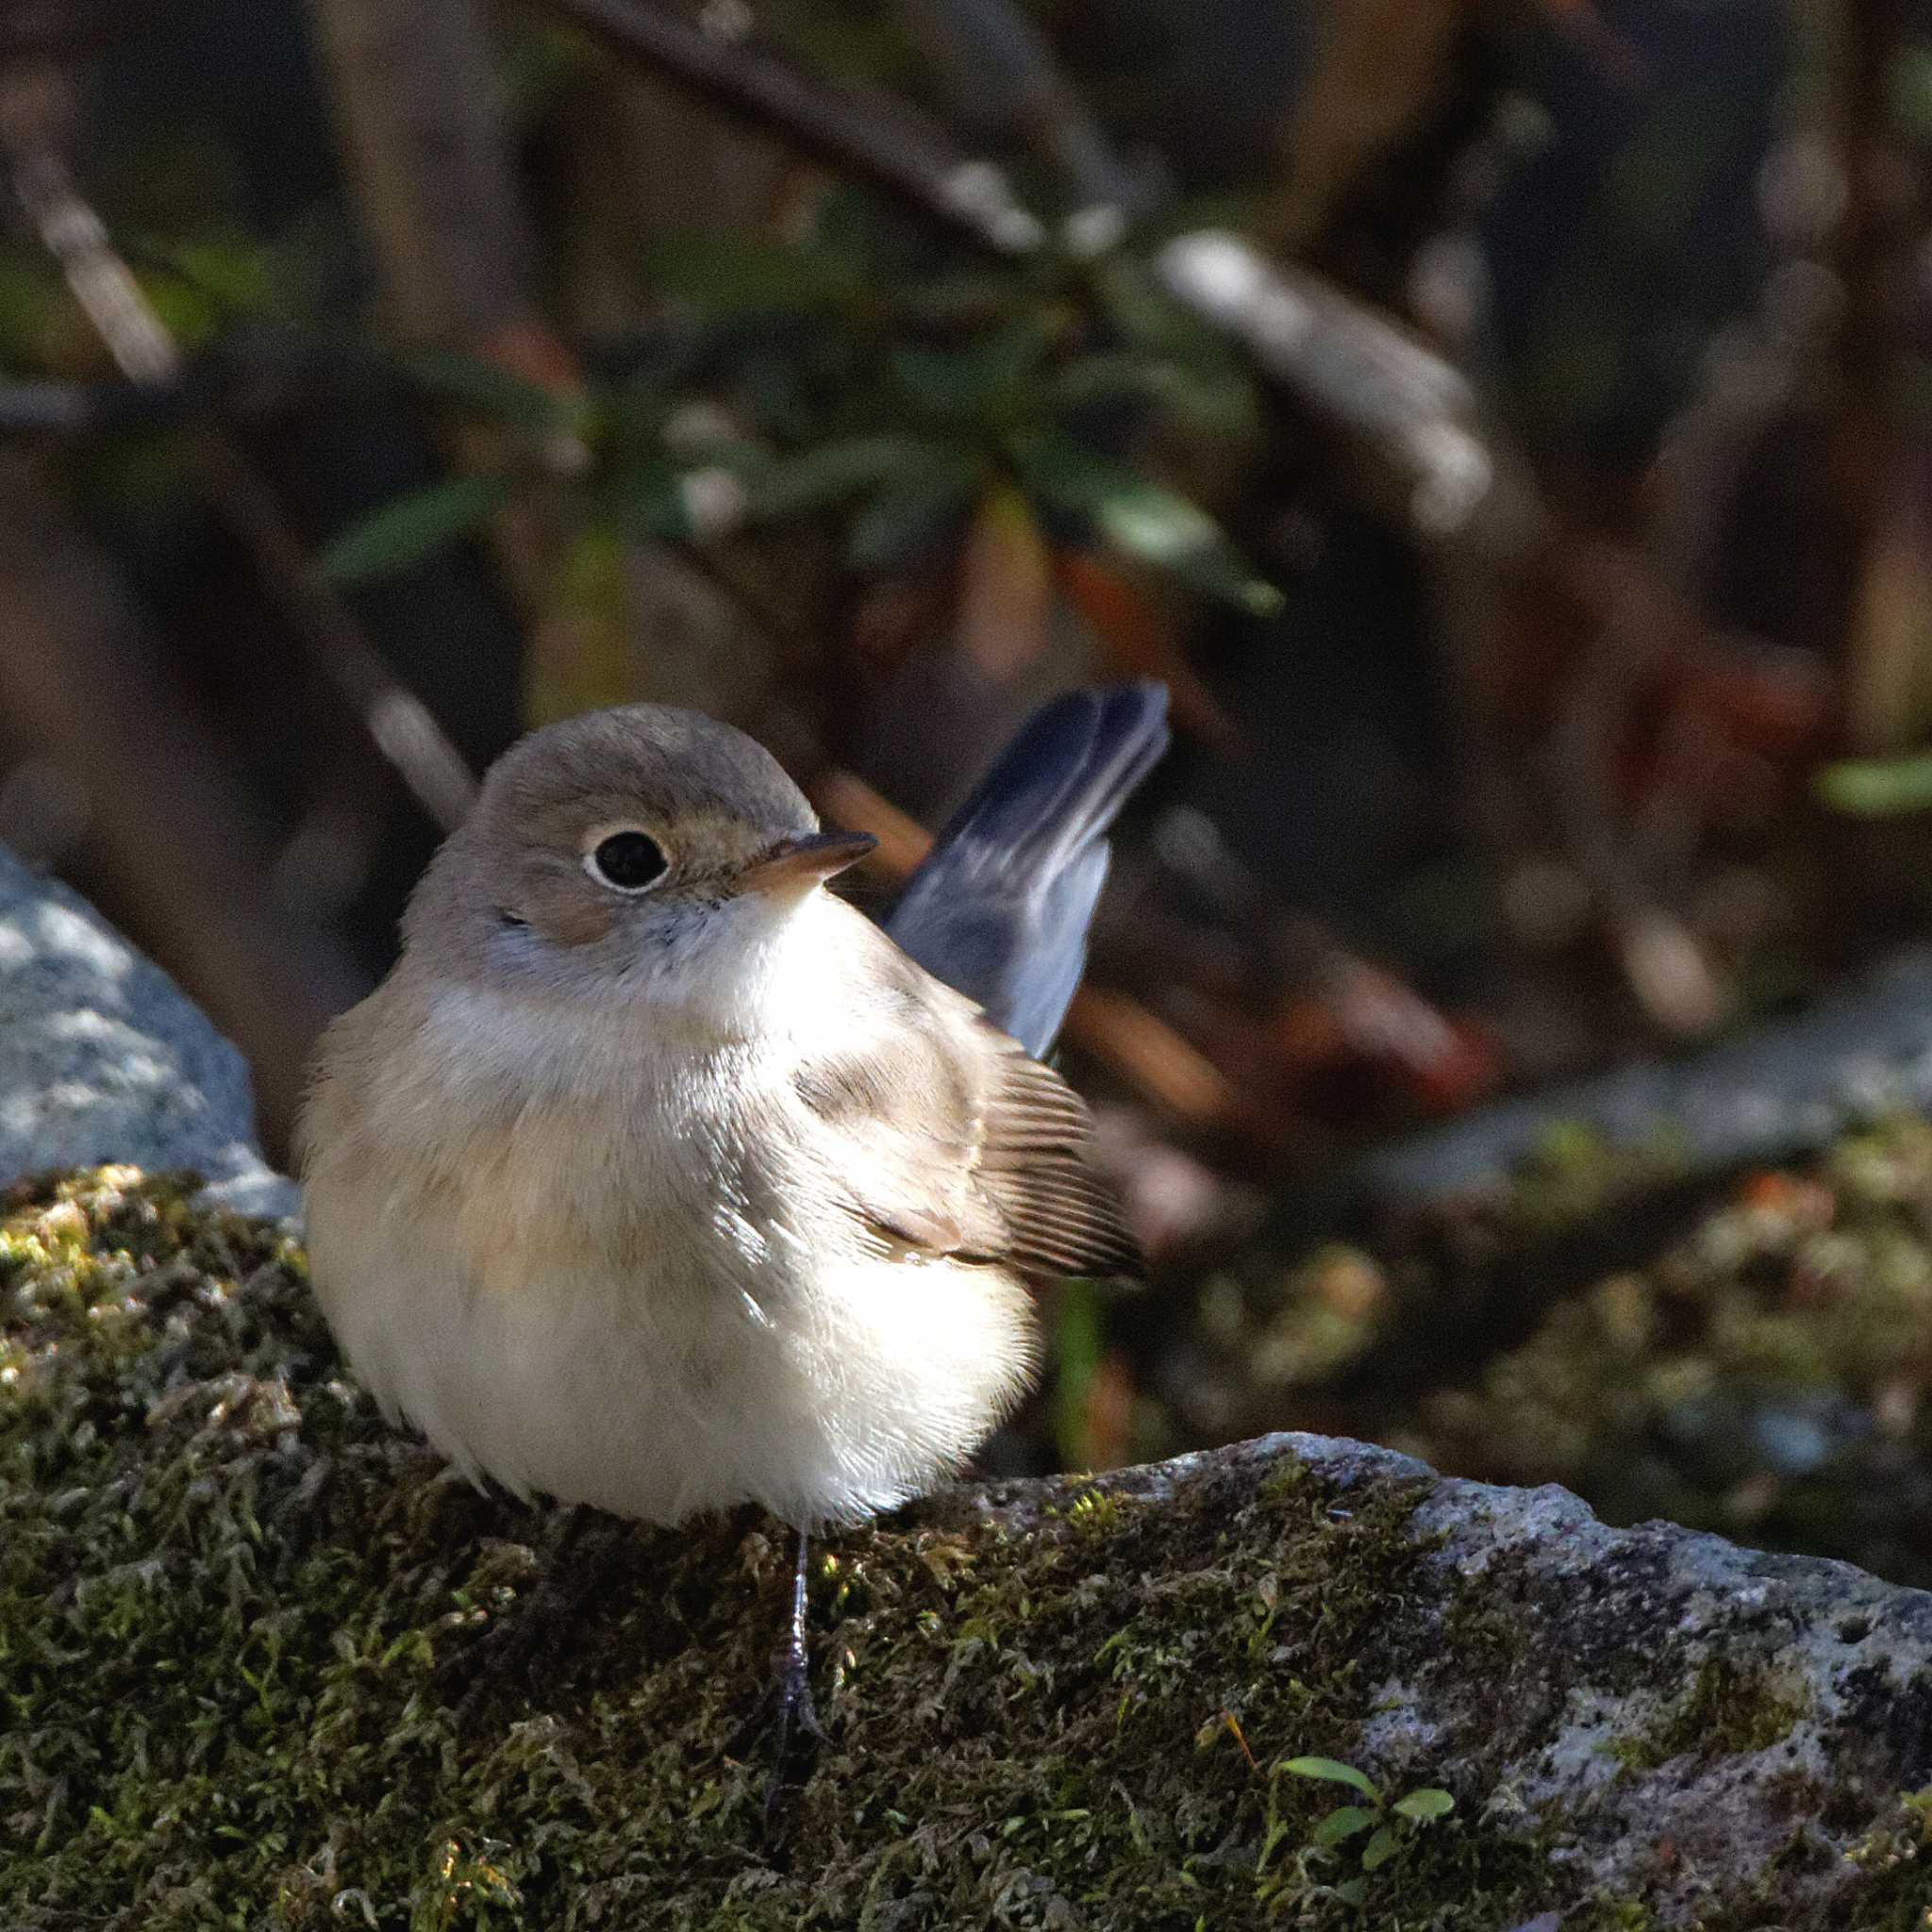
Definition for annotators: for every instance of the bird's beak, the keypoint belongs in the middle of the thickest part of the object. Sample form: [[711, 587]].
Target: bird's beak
[[805, 862]]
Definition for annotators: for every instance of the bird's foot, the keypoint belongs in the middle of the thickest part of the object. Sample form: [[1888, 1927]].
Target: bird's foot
[[785, 1713], [787, 1718]]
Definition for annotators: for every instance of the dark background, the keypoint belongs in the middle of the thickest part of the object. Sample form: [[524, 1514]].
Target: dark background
[[452, 304]]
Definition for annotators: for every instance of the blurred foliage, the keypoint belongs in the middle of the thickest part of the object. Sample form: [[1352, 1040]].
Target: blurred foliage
[[1877, 788], [838, 380]]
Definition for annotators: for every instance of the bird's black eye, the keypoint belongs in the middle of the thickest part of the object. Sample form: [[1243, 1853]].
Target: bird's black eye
[[629, 860]]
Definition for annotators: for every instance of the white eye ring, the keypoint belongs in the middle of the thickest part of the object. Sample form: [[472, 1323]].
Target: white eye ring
[[626, 859]]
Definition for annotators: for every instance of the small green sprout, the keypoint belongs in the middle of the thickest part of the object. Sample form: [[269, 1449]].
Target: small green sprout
[[1389, 1826]]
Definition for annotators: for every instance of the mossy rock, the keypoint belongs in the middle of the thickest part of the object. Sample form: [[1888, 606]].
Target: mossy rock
[[247, 1654]]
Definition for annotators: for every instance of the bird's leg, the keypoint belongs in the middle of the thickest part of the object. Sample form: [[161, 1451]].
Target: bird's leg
[[793, 1687], [787, 1700]]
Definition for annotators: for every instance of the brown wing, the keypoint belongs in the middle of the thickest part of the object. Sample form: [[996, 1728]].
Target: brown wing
[[948, 1138]]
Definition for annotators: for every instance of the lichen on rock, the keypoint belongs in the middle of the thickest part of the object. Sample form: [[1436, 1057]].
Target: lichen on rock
[[245, 1648]]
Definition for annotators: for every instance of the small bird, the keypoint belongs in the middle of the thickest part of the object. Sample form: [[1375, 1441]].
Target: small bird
[[656, 1177]]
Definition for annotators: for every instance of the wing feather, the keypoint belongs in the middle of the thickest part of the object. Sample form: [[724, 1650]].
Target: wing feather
[[946, 1138]]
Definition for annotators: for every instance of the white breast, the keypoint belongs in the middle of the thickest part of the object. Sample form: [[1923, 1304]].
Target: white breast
[[606, 1288]]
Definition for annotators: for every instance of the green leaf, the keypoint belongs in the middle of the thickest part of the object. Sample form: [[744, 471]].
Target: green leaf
[[1218, 402], [728, 273], [1877, 788], [1144, 520], [1380, 1849], [1334, 1771], [1114, 375], [1426, 1803], [1141, 312], [1276, 1833], [239, 276], [408, 528], [491, 391], [1343, 1821], [913, 512], [649, 499], [831, 473], [1352, 1891], [1910, 94], [969, 384]]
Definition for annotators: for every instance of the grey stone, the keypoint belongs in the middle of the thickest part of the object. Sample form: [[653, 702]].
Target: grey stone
[[1772, 1093], [104, 1059], [1678, 1717]]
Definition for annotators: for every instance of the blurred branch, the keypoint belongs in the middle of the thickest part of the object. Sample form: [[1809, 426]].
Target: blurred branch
[[250, 378], [74, 235], [399, 724], [876, 139], [1405, 404], [79, 408], [1379, 65], [170, 833], [106, 288], [416, 99], [1002, 74]]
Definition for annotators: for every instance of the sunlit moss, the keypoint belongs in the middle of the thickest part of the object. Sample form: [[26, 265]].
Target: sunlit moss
[[238, 1615]]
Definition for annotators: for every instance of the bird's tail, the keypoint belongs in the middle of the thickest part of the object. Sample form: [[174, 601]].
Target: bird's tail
[[1053, 792], [1001, 906]]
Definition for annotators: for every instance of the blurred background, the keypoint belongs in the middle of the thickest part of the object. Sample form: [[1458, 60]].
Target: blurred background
[[1503, 423]]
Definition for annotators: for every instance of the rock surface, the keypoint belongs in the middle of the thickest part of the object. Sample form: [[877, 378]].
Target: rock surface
[[259, 1658], [102, 1057], [247, 1656], [1772, 1091]]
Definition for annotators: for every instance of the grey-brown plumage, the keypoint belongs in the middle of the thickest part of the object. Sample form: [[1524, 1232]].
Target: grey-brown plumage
[[656, 1177], [979, 1155]]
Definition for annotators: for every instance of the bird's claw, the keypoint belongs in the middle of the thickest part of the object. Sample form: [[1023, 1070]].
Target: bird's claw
[[785, 1707]]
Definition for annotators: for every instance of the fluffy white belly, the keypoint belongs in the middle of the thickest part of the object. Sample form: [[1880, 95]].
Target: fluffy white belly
[[598, 1260], [698, 1376]]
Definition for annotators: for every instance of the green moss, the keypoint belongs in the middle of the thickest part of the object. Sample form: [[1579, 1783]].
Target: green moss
[[1764, 1376], [1573, 1173], [235, 1610], [1728, 1710], [243, 1653]]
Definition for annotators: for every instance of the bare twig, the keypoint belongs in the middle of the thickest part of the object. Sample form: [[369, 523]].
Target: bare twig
[[77, 408], [397, 722], [252, 378], [1002, 74], [102, 283], [879, 140], [1354, 366]]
